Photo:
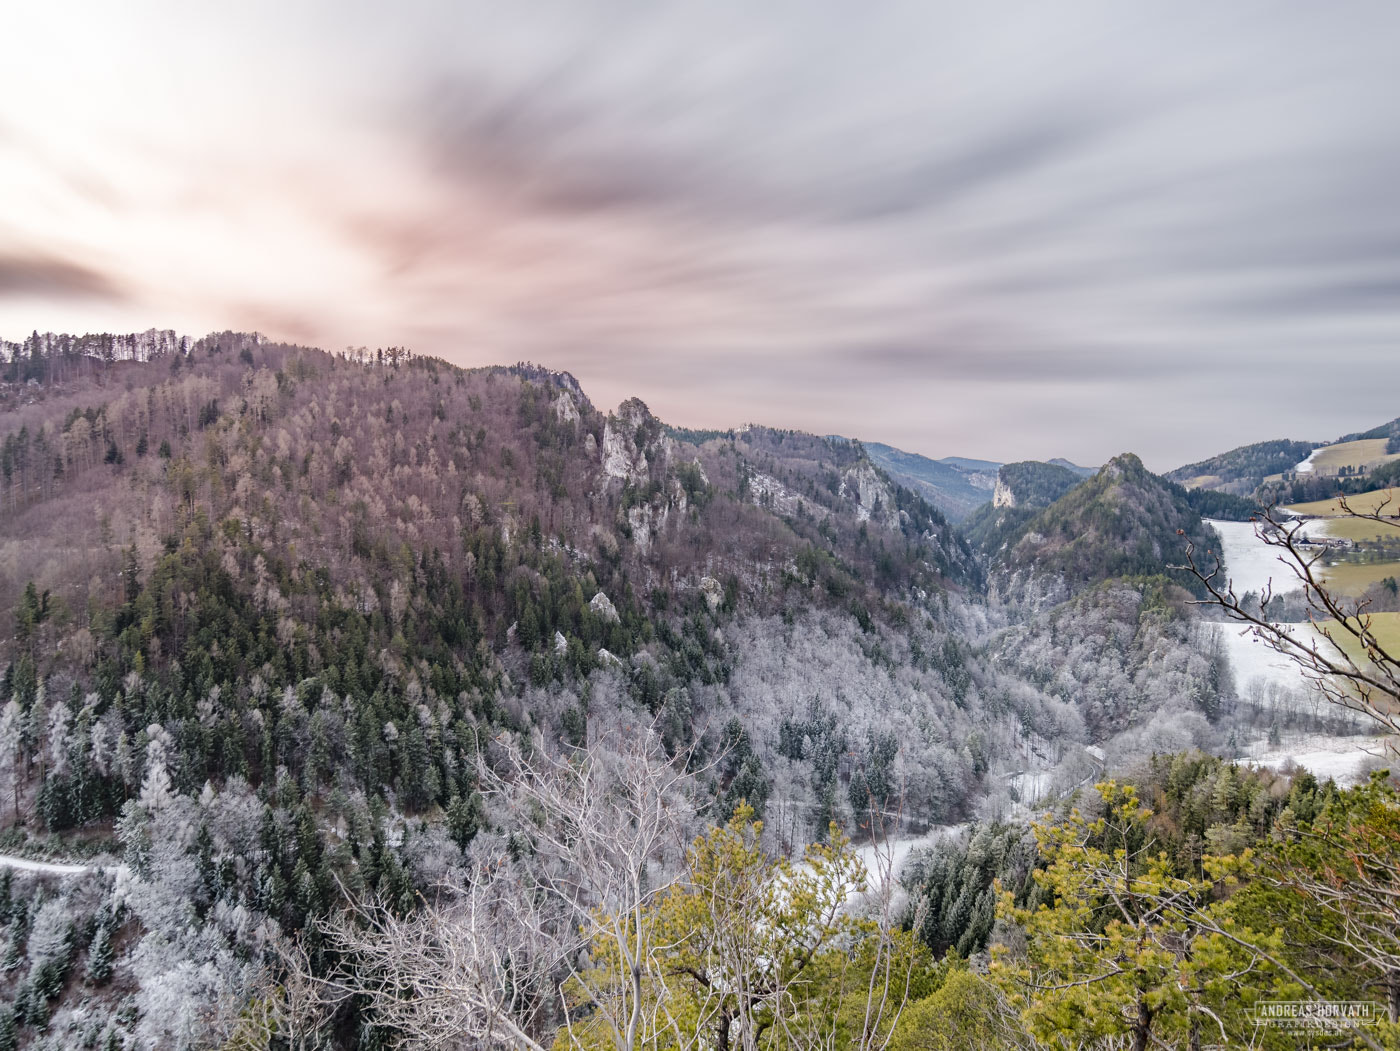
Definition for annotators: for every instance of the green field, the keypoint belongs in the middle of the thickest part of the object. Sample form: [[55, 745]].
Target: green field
[[1367, 503], [1367, 452], [1386, 628], [1354, 578], [1360, 531]]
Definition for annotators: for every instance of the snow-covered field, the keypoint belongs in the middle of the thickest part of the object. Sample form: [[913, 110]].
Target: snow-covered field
[[1344, 759], [892, 855], [1249, 562], [1306, 466], [1253, 660], [1262, 675]]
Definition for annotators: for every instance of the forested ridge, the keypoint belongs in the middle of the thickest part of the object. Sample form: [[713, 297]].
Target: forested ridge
[[295, 630], [1122, 521]]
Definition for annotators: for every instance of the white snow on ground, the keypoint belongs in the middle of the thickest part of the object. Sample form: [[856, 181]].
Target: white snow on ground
[[1252, 659], [1306, 466], [1032, 786], [1266, 677], [53, 868], [1249, 562], [892, 855], [1344, 759], [1263, 675]]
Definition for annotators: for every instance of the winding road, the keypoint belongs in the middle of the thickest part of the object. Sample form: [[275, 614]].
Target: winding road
[[53, 868]]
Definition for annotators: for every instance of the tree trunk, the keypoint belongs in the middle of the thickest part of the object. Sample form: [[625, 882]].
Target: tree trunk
[[1142, 1028]]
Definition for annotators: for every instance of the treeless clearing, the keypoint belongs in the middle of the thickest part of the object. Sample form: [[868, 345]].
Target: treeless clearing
[[1366, 452], [1354, 578]]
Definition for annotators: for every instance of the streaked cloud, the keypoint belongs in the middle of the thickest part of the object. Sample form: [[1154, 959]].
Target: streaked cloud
[[39, 276], [1042, 230]]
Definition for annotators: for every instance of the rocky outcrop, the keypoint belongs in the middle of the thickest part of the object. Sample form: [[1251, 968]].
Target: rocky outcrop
[[1003, 496], [646, 521], [713, 591], [632, 442], [603, 607], [565, 409], [865, 487]]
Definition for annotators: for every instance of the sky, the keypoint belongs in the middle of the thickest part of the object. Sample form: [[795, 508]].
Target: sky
[[1007, 231]]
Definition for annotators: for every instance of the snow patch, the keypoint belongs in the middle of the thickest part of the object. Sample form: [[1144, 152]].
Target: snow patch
[[1250, 564], [892, 855]]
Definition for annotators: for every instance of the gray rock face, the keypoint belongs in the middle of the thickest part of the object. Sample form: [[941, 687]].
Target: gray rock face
[[565, 408], [1003, 496], [874, 499], [646, 522], [623, 458]]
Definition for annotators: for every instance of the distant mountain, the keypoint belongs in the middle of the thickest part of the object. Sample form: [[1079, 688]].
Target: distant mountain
[[1083, 472], [964, 463], [955, 485]]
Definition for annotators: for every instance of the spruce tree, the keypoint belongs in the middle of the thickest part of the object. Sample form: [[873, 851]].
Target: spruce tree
[[101, 954]]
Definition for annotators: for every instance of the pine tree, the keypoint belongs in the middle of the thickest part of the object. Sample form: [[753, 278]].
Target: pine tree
[[465, 817], [101, 954]]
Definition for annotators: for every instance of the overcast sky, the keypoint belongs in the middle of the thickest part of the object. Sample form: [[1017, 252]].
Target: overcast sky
[[993, 230]]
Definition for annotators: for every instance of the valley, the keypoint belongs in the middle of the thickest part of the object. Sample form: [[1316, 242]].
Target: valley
[[1283, 726], [310, 620]]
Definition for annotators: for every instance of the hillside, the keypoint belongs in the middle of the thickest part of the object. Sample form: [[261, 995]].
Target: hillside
[[278, 612], [1122, 522], [1241, 471], [248, 519], [1022, 489], [1388, 431], [1292, 472]]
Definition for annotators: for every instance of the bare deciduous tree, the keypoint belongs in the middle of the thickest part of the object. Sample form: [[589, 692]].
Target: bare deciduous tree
[[474, 971], [1366, 682], [595, 838]]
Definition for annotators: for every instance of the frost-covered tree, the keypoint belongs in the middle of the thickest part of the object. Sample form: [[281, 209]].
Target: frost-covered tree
[[11, 741]]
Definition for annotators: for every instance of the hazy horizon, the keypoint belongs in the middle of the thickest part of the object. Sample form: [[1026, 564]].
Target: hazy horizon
[[1082, 230]]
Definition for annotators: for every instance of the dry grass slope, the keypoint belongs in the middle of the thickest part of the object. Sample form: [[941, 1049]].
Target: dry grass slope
[[1366, 452], [1367, 503], [1386, 628]]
